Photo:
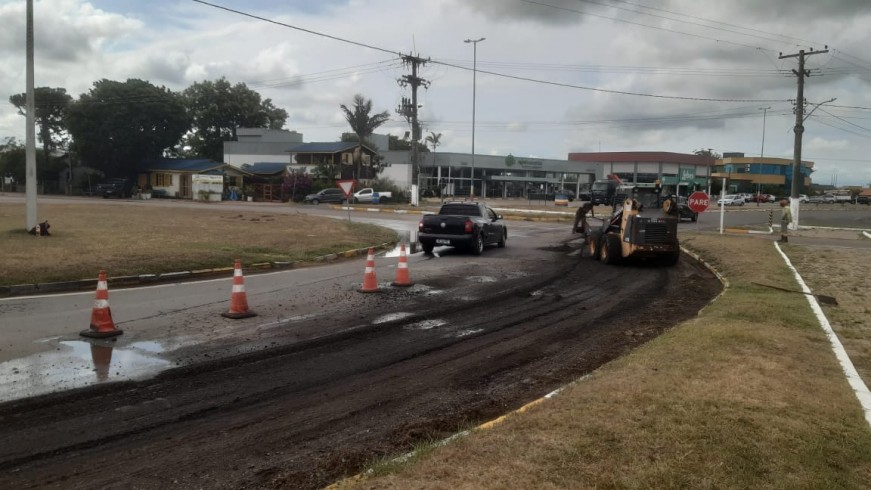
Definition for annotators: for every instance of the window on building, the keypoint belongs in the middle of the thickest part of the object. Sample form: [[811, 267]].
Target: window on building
[[161, 180]]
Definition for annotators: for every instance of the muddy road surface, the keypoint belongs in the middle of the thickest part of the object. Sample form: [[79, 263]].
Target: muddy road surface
[[303, 413]]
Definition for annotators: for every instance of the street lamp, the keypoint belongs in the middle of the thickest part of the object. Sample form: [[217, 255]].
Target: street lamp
[[761, 152], [474, 84]]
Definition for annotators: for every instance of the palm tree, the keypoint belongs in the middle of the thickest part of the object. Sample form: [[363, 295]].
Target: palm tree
[[434, 139], [362, 124]]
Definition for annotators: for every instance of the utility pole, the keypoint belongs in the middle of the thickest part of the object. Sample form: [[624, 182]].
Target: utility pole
[[30, 133], [801, 73], [408, 108]]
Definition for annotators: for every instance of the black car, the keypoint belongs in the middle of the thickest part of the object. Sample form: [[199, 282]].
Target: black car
[[863, 200], [118, 187], [684, 210], [326, 195], [463, 224]]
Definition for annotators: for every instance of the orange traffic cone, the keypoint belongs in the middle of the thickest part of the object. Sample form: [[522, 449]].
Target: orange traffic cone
[[402, 278], [238, 299], [370, 283], [102, 325]]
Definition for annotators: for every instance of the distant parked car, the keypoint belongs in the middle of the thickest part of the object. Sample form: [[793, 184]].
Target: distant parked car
[[863, 200], [762, 198], [332, 194], [825, 199], [731, 200], [802, 198], [118, 187]]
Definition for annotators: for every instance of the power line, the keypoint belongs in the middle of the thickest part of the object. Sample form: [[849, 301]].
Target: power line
[[617, 92], [710, 20], [566, 9], [308, 31], [718, 28], [514, 77]]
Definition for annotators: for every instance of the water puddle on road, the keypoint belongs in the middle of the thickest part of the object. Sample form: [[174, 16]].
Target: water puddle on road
[[391, 317], [76, 364], [426, 324], [407, 238], [481, 279]]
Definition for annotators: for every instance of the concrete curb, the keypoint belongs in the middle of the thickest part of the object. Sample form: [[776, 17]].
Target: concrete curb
[[147, 279]]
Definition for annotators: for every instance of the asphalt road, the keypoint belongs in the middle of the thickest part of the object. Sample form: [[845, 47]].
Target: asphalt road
[[327, 379]]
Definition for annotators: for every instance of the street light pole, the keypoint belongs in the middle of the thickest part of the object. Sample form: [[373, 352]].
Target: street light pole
[[474, 86], [761, 152]]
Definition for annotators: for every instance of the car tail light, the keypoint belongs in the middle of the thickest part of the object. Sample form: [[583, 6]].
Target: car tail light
[[420, 225], [469, 226]]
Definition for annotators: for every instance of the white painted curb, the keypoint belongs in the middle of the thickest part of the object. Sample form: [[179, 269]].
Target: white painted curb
[[859, 387]]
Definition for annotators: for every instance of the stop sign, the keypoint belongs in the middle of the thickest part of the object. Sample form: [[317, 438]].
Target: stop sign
[[698, 202]]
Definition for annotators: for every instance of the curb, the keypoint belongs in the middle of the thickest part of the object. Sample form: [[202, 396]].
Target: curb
[[179, 276]]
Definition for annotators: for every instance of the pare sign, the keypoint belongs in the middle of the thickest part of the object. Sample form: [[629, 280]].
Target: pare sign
[[698, 202]]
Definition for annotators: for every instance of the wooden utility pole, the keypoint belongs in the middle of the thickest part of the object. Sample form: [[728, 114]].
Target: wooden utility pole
[[801, 73]]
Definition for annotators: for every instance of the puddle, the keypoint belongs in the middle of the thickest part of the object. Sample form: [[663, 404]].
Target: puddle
[[407, 238], [426, 325], [391, 317], [481, 279], [76, 364]]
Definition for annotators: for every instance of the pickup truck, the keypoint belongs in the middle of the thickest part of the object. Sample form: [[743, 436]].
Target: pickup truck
[[367, 194], [464, 224], [114, 187]]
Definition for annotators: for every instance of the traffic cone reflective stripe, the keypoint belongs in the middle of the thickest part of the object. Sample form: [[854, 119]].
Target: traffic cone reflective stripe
[[370, 283], [102, 325], [238, 298], [402, 278]]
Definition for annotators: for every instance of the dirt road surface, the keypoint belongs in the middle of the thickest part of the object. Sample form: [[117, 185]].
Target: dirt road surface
[[304, 413]]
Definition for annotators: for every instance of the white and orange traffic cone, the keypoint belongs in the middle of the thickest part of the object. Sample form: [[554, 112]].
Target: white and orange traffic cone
[[102, 325], [370, 283], [238, 298], [402, 278]]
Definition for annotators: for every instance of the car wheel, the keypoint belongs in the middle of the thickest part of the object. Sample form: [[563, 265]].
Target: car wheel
[[593, 244], [501, 242], [427, 247], [315, 202], [610, 252], [672, 258], [477, 244], [694, 217]]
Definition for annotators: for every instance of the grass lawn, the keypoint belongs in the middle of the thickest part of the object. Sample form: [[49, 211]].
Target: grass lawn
[[746, 395], [140, 239]]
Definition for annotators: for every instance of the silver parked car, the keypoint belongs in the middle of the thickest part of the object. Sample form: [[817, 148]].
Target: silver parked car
[[731, 200]]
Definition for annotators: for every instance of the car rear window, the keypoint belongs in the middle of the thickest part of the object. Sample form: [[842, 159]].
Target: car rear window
[[460, 210]]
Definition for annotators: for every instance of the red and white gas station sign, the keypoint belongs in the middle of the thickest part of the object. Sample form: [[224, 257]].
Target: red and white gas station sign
[[698, 202]]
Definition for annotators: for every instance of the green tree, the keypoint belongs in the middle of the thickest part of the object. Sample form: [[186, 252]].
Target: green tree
[[118, 125], [12, 160], [363, 125], [50, 107], [706, 152], [218, 108]]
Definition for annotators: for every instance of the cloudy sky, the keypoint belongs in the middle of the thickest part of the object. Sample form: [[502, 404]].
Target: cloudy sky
[[553, 76]]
